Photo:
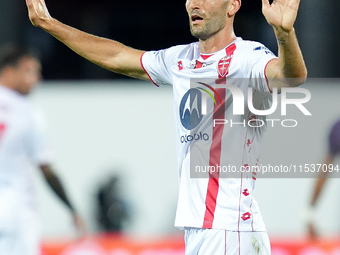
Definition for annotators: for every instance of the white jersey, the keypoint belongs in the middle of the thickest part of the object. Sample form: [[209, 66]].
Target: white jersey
[[22, 145], [210, 136]]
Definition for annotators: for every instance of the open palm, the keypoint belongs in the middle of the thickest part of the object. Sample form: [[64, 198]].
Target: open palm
[[281, 13]]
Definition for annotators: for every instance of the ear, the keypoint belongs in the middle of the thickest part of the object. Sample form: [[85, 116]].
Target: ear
[[234, 6]]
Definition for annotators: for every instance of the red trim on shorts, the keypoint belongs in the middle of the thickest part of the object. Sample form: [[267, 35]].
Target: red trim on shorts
[[266, 75], [141, 62], [225, 242], [239, 242]]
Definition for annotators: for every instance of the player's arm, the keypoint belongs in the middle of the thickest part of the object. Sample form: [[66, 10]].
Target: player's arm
[[289, 69], [318, 187], [56, 185], [320, 181], [109, 54]]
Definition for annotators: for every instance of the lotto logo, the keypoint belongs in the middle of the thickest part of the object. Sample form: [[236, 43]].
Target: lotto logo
[[246, 216], [180, 65], [246, 192]]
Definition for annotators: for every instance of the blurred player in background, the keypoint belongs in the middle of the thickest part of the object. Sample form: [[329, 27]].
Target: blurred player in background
[[22, 145], [333, 151], [219, 215]]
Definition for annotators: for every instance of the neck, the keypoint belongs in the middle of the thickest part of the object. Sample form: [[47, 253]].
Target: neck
[[217, 42], [4, 82]]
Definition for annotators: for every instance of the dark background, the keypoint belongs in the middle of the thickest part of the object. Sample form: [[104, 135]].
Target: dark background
[[152, 25]]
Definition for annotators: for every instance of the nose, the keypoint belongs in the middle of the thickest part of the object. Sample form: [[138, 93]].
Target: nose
[[193, 4]]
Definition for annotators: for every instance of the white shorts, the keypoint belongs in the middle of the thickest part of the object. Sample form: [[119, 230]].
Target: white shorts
[[24, 242], [221, 242], [19, 229]]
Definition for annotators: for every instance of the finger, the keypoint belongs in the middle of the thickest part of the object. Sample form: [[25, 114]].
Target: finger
[[265, 4], [28, 2], [41, 8], [298, 3]]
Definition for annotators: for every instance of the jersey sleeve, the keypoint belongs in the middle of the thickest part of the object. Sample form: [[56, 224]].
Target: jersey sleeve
[[38, 149], [157, 66], [261, 56]]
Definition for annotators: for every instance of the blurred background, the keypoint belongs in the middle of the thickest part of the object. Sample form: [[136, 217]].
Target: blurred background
[[113, 137], [152, 25]]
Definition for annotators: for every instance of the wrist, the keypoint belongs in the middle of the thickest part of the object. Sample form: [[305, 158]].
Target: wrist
[[310, 214], [47, 24], [283, 35]]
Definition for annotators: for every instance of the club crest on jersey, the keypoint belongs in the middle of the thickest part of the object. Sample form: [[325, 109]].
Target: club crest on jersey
[[223, 66]]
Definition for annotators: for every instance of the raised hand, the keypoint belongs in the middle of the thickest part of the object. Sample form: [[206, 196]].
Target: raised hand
[[79, 225], [281, 14], [37, 12]]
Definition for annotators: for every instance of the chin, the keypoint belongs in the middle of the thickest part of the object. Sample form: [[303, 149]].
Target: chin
[[197, 34], [24, 92]]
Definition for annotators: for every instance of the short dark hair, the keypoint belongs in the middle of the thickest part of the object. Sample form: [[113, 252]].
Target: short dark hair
[[10, 55]]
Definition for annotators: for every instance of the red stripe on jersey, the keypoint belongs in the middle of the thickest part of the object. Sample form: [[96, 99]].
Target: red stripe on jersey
[[215, 159], [141, 63], [215, 150], [230, 50]]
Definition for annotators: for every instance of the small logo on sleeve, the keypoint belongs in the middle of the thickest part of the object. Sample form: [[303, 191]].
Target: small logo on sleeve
[[180, 65], [265, 49]]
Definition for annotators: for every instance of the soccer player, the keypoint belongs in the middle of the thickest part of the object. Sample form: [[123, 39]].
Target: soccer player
[[219, 215], [22, 145], [333, 151]]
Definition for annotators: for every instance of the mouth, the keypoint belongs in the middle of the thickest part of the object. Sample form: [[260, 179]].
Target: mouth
[[196, 18]]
